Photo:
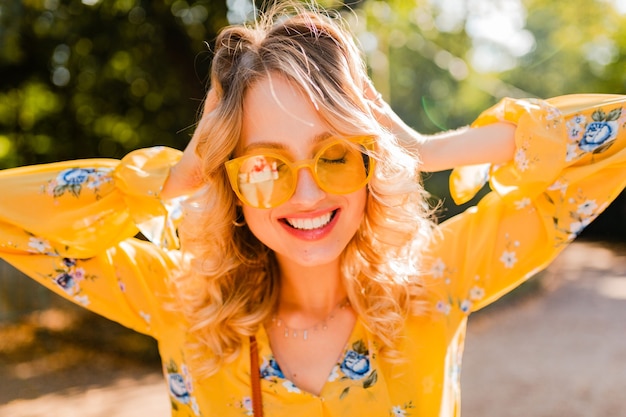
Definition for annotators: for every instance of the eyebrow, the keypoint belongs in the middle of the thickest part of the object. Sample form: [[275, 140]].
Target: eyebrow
[[281, 146]]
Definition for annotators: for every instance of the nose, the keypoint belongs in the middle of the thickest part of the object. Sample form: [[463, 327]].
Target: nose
[[307, 192]]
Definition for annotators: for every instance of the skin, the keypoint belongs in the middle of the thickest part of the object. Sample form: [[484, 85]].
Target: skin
[[493, 144], [279, 117], [276, 114]]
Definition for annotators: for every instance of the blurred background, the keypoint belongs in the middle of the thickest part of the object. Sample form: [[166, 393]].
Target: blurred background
[[99, 78], [87, 78]]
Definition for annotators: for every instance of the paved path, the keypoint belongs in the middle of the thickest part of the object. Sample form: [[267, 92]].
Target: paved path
[[561, 354], [558, 353], [133, 391]]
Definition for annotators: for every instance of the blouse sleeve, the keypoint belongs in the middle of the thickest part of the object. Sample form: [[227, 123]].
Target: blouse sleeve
[[570, 163], [71, 227]]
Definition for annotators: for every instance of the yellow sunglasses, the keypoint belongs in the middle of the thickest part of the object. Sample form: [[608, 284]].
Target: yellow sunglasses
[[267, 179]]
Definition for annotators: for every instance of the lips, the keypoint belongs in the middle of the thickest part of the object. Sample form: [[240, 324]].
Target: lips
[[310, 223]]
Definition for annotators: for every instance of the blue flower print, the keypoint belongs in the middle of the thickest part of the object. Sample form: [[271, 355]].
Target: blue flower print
[[600, 133], [69, 275], [178, 388], [355, 365], [270, 370], [596, 134], [74, 176], [73, 180], [65, 281]]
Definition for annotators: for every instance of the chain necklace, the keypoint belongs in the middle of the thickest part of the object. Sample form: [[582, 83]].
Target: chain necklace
[[320, 325]]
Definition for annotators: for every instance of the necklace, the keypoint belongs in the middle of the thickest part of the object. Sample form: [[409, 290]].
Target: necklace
[[320, 325]]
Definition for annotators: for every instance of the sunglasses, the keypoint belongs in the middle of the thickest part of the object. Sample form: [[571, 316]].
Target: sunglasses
[[268, 179]]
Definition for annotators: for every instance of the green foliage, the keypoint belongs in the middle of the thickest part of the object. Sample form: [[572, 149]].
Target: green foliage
[[100, 78], [441, 62], [425, 55], [579, 48]]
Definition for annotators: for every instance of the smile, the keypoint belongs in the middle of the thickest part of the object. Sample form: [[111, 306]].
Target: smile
[[311, 223]]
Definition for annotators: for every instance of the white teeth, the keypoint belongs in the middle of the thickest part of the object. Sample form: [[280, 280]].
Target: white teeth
[[310, 224]]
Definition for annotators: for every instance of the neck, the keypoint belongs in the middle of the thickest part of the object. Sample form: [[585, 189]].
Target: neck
[[314, 290]]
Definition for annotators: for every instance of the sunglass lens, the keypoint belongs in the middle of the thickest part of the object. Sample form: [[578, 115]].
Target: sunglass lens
[[341, 168], [264, 181]]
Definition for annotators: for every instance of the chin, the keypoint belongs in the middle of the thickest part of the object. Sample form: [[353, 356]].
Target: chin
[[309, 258]]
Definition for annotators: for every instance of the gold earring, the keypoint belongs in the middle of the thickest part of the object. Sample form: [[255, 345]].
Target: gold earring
[[240, 217], [239, 224]]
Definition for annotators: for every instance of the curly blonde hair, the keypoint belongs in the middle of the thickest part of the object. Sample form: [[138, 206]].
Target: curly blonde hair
[[233, 285]]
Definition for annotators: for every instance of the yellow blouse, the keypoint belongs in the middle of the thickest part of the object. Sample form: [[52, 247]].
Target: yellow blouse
[[70, 226]]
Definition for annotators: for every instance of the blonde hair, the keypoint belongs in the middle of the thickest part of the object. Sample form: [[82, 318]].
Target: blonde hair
[[233, 285]]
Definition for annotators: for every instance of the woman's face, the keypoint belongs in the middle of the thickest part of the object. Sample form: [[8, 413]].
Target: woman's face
[[313, 227]]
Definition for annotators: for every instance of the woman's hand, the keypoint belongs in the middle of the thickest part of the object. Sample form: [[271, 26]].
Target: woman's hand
[[493, 143], [186, 176], [408, 137]]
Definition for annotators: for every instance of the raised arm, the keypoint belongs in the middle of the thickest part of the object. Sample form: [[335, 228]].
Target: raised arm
[[186, 176], [70, 226], [493, 143], [569, 164]]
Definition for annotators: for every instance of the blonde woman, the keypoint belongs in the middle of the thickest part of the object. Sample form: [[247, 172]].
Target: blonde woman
[[327, 290]]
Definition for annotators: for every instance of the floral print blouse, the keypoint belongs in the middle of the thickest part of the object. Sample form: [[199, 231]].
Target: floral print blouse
[[70, 226]]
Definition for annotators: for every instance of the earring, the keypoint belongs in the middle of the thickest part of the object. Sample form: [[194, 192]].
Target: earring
[[239, 224], [240, 217]]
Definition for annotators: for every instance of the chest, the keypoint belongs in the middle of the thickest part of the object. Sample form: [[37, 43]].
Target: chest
[[359, 381], [308, 360]]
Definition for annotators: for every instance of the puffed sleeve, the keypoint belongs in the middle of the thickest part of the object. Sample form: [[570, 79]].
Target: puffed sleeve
[[71, 227], [570, 163]]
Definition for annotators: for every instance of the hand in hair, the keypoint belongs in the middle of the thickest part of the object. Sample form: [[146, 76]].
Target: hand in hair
[[186, 176], [409, 138], [465, 146]]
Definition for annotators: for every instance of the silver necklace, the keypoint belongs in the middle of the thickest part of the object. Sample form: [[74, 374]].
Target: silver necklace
[[320, 325]]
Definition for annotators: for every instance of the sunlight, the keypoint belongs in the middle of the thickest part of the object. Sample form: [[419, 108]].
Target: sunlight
[[620, 6], [239, 11], [497, 29], [612, 287]]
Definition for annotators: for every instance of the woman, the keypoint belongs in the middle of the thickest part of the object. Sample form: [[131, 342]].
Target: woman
[[311, 268]]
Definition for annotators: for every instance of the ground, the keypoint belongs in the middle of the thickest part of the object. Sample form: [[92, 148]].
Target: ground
[[560, 352], [556, 349]]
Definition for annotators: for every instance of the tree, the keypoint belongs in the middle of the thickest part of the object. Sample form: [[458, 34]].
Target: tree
[[100, 78], [85, 79], [441, 62]]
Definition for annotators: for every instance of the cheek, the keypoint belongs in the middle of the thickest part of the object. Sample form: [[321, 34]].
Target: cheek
[[257, 221], [359, 202], [355, 210]]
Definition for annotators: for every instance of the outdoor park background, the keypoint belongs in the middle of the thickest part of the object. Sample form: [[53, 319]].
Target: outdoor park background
[[91, 78]]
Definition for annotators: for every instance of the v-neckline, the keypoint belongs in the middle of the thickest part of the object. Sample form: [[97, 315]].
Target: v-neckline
[[266, 354]]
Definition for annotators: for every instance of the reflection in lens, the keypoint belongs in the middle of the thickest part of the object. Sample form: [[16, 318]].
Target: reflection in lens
[[256, 180]]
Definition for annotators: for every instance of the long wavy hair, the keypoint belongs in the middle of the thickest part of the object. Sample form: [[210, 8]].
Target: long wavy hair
[[232, 286]]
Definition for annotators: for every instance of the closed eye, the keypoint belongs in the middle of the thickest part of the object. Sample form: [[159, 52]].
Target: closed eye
[[341, 160]]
